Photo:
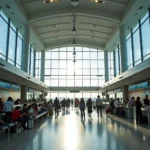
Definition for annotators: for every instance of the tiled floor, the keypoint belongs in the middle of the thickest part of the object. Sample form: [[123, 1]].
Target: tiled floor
[[69, 132]]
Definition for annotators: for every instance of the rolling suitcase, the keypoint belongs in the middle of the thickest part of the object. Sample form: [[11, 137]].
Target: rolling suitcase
[[30, 123]]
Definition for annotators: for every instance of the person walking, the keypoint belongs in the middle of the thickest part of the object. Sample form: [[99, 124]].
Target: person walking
[[57, 105], [76, 103], [138, 106], [89, 105], [99, 106], [82, 108], [112, 106]]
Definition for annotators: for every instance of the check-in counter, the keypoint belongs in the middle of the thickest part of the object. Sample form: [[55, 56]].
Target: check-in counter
[[147, 114], [129, 111]]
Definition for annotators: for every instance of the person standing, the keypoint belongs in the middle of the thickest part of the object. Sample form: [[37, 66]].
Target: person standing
[[89, 105], [138, 106], [117, 106], [82, 108], [131, 102], [146, 100], [57, 105], [99, 106], [76, 103], [8, 108], [1, 105], [112, 106]]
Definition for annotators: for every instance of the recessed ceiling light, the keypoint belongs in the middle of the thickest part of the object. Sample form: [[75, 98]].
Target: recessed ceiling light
[[141, 7], [97, 1], [7, 6], [50, 1]]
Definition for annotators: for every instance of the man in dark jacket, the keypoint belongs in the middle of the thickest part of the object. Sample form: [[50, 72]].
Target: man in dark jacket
[[138, 106], [146, 100]]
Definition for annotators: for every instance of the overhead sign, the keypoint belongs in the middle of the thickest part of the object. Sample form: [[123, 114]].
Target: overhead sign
[[4, 85], [15, 87], [139, 86], [9, 86]]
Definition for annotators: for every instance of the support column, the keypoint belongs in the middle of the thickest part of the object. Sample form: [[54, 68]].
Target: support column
[[123, 49], [107, 96], [125, 93], [25, 52], [42, 65], [106, 66], [24, 91]]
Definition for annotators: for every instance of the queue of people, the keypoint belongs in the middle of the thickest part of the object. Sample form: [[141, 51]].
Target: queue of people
[[115, 106]]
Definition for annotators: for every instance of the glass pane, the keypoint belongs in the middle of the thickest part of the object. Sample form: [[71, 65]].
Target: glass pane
[[54, 71], [62, 72], [86, 64], [78, 72], [94, 82], [19, 51], [47, 63], [54, 82], [62, 83], [48, 55], [129, 52], [100, 55], [11, 49], [85, 49], [47, 71], [3, 38], [78, 83], [70, 55], [93, 55], [101, 64], [54, 55], [146, 39], [137, 48], [54, 95], [55, 64], [94, 64], [86, 71], [86, 82], [78, 64], [86, 55], [94, 72], [70, 83], [86, 96], [62, 64], [78, 55], [63, 55]]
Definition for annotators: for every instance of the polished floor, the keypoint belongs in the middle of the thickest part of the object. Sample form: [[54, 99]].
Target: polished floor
[[69, 132]]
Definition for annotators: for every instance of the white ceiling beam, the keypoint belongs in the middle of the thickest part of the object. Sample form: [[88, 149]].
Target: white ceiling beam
[[39, 16], [80, 42], [64, 35]]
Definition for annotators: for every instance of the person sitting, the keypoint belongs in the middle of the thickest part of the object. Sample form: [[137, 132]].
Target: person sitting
[[17, 116], [31, 111]]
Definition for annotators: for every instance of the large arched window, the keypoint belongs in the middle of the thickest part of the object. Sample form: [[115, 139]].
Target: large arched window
[[88, 70]]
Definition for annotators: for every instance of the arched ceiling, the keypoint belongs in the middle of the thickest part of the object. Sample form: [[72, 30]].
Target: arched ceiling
[[95, 22]]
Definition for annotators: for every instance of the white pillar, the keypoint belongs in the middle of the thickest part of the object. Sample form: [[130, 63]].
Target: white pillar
[[42, 65], [26, 39], [24, 91], [106, 66], [123, 49], [125, 93]]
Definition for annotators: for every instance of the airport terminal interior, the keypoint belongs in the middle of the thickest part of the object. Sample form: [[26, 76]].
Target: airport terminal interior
[[75, 74]]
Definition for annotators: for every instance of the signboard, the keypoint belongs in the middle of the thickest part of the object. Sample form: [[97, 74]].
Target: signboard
[[15, 87], [9, 86], [139, 86], [4, 85]]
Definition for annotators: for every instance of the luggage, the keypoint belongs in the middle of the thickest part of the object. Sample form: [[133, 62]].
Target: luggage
[[123, 113], [13, 129], [50, 112], [107, 110], [30, 123], [145, 120]]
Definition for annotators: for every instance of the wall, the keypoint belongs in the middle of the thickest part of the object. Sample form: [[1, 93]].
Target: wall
[[141, 93], [4, 94]]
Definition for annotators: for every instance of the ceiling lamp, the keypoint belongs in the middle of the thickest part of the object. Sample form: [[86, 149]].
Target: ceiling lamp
[[74, 30], [74, 53], [74, 42], [97, 1], [50, 1], [74, 2]]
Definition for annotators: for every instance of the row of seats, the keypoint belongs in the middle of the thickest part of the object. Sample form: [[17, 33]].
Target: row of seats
[[7, 126]]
